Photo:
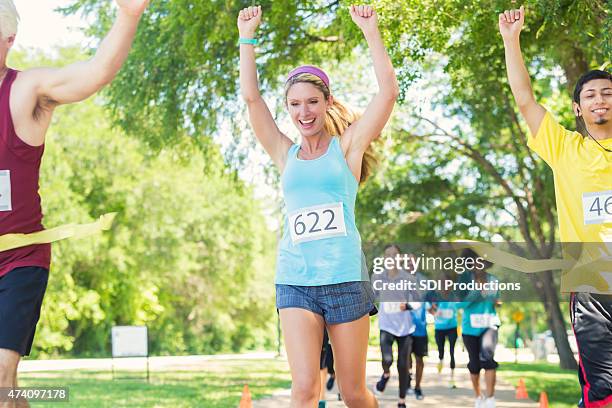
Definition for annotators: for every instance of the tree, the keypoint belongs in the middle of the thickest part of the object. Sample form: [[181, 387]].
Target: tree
[[183, 73], [189, 254], [487, 141]]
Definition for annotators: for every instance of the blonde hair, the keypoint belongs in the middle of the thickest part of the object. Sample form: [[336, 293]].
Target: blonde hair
[[337, 119], [9, 18]]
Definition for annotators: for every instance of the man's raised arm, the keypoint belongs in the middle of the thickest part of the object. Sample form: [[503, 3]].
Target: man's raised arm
[[80, 80], [510, 25]]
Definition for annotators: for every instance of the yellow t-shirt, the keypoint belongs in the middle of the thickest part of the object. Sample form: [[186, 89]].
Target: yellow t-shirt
[[583, 186]]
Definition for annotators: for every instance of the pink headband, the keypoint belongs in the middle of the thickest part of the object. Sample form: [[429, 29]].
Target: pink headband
[[310, 69]]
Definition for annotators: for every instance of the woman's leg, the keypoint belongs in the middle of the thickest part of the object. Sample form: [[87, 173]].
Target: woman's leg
[[303, 335], [386, 349], [350, 342], [472, 345], [439, 335], [323, 381], [404, 348], [487, 353], [440, 339], [452, 339]]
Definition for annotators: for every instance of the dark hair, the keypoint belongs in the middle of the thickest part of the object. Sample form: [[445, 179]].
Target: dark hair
[[393, 246], [589, 76], [469, 253]]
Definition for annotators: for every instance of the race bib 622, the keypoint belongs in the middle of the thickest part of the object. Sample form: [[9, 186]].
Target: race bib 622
[[317, 222]]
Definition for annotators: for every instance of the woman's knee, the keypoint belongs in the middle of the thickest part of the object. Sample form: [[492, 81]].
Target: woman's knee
[[355, 397], [387, 360], [403, 366], [474, 367], [305, 389]]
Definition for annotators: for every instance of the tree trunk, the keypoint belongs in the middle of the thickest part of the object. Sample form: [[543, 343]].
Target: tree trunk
[[574, 64], [557, 323]]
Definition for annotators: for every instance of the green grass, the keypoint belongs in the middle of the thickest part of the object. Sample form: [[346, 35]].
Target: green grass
[[561, 386], [218, 385]]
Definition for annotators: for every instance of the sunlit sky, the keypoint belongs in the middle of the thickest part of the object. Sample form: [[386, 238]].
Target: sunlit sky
[[41, 27]]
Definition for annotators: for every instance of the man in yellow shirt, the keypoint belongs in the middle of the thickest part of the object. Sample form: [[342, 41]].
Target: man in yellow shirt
[[582, 168]]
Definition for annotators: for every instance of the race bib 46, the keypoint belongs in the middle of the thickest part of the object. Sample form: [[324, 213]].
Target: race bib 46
[[317, 222], [597, 207]]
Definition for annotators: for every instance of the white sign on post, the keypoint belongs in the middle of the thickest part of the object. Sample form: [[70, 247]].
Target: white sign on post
[[130, 341]]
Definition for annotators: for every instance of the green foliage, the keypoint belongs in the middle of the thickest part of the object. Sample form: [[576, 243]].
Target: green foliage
[[457, 165], [182, 74], [189, 254], [446, 163]]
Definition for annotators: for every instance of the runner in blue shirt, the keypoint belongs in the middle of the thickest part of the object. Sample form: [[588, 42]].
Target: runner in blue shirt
[[445, 321], [479, 326], [419, 341]]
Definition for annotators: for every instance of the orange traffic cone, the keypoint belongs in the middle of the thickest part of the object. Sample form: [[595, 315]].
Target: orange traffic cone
[[245, 401], [543, 400], [521, 391]]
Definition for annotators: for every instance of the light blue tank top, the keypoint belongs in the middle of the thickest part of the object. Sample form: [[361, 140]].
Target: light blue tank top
[[311, 189], [479, 312], [446, 316]]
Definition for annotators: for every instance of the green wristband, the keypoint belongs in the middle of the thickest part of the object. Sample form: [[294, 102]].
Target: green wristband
[[251, 41]]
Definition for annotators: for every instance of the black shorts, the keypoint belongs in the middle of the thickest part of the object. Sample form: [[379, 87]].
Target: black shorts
[[324, 347], [591, 316], [481, 350], [21, 295], [419, 345]]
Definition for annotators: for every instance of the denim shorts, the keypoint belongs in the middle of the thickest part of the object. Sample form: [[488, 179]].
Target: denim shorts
[[337, 303]]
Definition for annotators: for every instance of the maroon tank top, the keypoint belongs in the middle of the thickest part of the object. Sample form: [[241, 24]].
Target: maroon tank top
[[20, 210]]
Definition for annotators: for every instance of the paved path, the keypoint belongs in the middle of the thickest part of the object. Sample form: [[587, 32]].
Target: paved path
[[435, 388]]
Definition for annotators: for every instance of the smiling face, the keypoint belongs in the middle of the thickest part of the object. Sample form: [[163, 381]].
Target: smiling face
[[307, 103], [392, 251], [595, 102]]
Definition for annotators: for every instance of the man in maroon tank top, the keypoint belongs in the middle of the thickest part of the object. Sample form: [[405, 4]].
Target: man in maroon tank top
[[27, 102]]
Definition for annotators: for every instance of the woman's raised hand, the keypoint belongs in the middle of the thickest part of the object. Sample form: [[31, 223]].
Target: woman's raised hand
[[249, 19], [365, 17]]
